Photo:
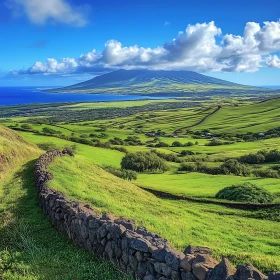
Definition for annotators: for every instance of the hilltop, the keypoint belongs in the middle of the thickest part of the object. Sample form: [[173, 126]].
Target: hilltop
[[160, 83]]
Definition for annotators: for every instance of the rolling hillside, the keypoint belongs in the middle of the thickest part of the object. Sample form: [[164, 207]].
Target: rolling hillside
[[148, 82]]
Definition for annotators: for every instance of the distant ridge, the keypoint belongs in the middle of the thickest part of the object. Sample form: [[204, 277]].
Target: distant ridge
[[149, 82]]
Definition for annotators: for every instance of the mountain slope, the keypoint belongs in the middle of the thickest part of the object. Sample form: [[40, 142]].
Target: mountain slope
[[148, 82], [14, 150]]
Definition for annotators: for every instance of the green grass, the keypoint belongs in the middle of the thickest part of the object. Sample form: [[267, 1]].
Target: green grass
[[251, 118], [30, 248], [199, 184], [244, 239], [99, 156]]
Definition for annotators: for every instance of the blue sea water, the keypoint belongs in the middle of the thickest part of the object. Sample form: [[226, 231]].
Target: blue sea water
[[29, 95]]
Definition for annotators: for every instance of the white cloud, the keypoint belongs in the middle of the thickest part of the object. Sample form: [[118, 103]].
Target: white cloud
[[42, 11], [273, 61], [65, 65], [197, 49]]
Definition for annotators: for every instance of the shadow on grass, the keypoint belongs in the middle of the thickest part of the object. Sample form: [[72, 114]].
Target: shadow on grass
[[30, 248]]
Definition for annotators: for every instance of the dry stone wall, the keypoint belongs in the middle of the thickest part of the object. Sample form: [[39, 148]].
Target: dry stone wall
[[140, 253]]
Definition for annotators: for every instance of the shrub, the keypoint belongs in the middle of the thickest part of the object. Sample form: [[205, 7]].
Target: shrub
[[188, 144], [187, 167], [47, 130], [232, 166], [177, 144], [267, 173], [186, 153], [168, 157], [261, 157], [143, 162], [246, 192], [26, 126], [214, 142], [122, 173], [161, 145]]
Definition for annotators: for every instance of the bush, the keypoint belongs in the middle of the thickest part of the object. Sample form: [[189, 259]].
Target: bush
[[168, 157], [26, 126], [261, 157], [214, 142], [122, 173], [161, 145], [267, 173], [177, 144], [143, 162], [187, 167], [47, 130], [246, 192], [188, 144], [232, 166], [186, 153]]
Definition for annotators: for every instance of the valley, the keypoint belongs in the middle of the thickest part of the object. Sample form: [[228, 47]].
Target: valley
[[196, 144]]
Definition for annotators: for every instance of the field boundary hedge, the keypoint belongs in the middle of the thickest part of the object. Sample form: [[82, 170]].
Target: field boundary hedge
[[236, 205], [142, 254]]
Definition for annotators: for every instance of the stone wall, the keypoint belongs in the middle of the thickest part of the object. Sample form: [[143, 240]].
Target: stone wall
[[140, 253]]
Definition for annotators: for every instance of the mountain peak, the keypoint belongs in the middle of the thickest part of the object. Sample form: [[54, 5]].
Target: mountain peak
[[156, 82]]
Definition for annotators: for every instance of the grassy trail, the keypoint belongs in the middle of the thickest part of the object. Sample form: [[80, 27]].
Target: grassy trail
[[30, 248], [201, 121]]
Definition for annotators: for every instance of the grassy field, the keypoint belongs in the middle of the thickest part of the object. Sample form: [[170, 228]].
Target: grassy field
[[99, 156], [251, 118], [30, 248], [201, 185], [244, 239]]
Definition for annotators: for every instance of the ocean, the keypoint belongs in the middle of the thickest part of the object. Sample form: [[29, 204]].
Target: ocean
[[29, 95]]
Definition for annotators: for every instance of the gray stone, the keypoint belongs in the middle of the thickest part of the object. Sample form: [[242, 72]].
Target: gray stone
[[201, 265], [195, 250], [140, 245], [133, 262], [222, 271], [159, 254], [186, 263], [274, 276], [187, 276], [172, 260], [142, 269], [248, 271], [102, 232], [149, 277], [127, 223]]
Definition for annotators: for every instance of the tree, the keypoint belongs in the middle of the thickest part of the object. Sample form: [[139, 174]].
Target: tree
[[143, 162], [177, 144]]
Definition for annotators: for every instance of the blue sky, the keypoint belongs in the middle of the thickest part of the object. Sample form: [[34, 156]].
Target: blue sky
[[52, 42]]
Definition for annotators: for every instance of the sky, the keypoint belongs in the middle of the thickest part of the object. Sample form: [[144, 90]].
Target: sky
[[63, 42]]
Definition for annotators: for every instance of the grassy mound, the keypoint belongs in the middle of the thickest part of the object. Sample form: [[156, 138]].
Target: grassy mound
[[13, 150], [246, 192], [183, 223]]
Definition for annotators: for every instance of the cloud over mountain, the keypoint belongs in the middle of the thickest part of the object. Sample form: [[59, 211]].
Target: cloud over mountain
[[201, 47]]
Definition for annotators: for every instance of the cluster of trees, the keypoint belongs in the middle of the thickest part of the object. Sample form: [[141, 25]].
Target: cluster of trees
[[217, 142], [229, 167], [65, 114], [122, 173], [246, 192], [168, 157], [143, 162], [179, 144], [262, 156]]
